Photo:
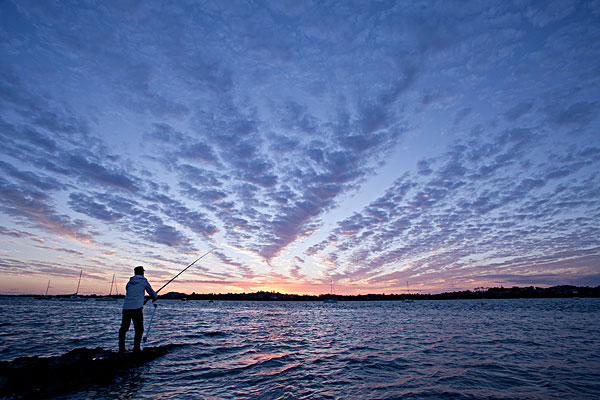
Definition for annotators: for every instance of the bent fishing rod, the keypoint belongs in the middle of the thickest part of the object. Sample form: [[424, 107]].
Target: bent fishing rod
[[182, 271]]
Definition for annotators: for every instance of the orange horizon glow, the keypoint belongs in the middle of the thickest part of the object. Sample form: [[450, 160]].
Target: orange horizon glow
[[35, 285]]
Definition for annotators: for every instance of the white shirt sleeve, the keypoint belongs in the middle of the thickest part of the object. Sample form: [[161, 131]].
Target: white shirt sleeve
[[151, 291]]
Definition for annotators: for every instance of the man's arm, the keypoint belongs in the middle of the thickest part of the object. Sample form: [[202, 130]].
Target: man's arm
[[151, 291]]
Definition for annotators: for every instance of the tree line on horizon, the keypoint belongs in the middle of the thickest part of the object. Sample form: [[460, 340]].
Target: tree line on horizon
[[515, 292], [489, 293]]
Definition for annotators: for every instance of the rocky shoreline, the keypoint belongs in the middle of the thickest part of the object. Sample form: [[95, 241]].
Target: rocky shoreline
[[40, 377]]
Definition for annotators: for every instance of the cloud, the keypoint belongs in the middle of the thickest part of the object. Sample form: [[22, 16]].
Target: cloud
[[461, 115], [20, 234], [88, 170], [441, 222], [578, 114], [204, 196], [33, 207], [245, 271], [164, 234], [283, 114], [61, 123], [44, 183], [9, 232], [164, 133], [86, 205], [198, 152], [61, 250], [519, 110], [550, 12]]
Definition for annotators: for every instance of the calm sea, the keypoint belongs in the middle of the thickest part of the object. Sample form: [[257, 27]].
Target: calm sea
[[471, 349]]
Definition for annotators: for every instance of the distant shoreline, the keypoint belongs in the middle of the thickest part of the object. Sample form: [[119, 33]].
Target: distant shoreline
[[563, 291]]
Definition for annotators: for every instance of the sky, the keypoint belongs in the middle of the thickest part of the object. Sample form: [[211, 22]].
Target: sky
[[381, 146]]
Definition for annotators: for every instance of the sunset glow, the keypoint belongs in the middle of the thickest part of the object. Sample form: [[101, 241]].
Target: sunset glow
[[383, 147]]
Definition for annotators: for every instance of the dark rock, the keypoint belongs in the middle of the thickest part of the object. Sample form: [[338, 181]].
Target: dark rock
[[36, 377]]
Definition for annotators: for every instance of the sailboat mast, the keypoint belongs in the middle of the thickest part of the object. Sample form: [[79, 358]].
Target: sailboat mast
[[111, 285], [78, 283]]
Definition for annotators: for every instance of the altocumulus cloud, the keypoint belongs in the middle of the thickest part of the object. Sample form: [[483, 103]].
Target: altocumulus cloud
[[478, 134]]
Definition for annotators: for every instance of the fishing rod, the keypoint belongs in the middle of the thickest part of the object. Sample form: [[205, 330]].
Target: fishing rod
[[182, 271], [147, 330], [149, 326]]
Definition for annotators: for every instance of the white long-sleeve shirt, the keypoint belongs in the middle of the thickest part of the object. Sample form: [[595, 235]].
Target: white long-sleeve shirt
[[134, 298]]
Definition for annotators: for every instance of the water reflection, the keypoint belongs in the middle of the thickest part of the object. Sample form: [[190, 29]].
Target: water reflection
[[444, 349]]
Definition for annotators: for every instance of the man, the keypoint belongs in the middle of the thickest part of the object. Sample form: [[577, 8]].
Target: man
[[133, 306]]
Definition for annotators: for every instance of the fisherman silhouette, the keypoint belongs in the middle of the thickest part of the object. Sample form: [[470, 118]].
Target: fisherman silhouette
[[133, 306]]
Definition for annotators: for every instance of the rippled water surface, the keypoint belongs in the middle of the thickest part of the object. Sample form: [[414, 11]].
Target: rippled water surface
[[471, 349]]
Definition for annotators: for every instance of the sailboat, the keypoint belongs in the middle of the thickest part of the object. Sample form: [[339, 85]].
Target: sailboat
[[408, 299], [332, 298], [75, 297], [109, 297], [44, 297]]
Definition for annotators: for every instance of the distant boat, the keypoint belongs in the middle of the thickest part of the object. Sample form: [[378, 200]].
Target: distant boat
[[45, 297], [408, 299], [332, 298], [75, 297], [109, 297]]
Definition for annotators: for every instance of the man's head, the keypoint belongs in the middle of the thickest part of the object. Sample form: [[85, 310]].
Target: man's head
[[139, 270]]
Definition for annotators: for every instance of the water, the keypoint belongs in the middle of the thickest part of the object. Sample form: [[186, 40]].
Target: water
[[471, 349]]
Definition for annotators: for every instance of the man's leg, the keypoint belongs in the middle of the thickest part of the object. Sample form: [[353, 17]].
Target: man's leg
[[125, 323], [138, 324]]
